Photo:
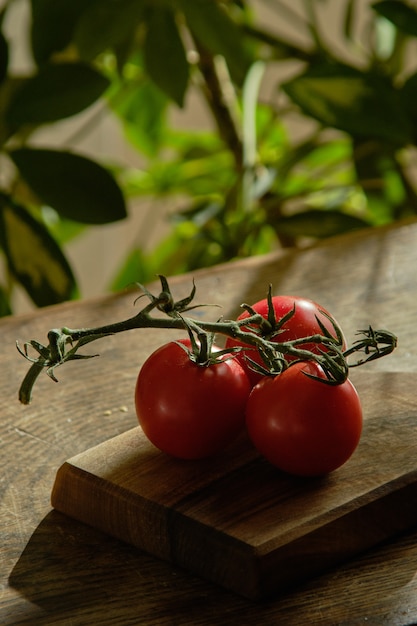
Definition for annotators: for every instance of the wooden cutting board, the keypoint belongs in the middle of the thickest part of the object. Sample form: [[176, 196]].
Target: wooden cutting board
[[238, 521]]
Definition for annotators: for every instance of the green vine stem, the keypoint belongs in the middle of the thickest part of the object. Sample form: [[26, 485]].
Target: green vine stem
[[64, 343]]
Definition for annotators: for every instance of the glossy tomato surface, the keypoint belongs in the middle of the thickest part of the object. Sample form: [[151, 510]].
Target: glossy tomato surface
[[301, 425], [188, 410], [302, 324]]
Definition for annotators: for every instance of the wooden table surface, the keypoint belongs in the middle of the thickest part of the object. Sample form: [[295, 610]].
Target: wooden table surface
[[55, 570]]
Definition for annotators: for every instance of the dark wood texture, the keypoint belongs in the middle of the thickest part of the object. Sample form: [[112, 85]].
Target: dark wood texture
[[56, 570], [237, 521]]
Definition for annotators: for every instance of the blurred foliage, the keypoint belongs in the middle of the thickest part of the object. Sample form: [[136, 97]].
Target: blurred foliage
[[245, 187]]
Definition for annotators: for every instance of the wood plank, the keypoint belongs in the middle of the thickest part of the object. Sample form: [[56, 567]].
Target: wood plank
[[238, 521]]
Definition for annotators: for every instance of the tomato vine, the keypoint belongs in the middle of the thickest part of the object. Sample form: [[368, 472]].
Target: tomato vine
[[64, 343]]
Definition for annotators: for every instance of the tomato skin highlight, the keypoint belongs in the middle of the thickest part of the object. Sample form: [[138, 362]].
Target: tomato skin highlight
[[302, 324], [303, 426], [187, 410]]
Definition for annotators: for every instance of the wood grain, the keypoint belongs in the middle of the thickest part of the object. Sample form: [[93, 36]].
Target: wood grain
[[239, 522], [56, 570]]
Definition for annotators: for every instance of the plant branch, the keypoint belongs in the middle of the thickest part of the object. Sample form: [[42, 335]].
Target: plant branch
[[214, 93]]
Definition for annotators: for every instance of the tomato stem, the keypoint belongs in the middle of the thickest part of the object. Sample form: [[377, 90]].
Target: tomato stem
[[64, 343]]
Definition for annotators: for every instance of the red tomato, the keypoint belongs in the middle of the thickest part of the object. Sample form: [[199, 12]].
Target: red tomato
[[302, 324], [301, 425], [188, 410]]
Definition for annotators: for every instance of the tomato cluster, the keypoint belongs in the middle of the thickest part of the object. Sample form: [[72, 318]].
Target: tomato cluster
[[301, 424]]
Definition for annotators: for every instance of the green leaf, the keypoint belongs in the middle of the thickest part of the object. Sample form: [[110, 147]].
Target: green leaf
[[317, 223], [56, 92], [77, 188], [142, 107], [408, 94], [53, 23], [164, 55], [106, 25], [402, 15], [5, 308], [62, 230], [4, 57], [181, 251], [217, 32], [34, 257], [133, 270], [364, 104], [194, 177]]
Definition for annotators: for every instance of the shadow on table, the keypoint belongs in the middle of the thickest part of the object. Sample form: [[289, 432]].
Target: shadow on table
[[71, 571], [68, 569]]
